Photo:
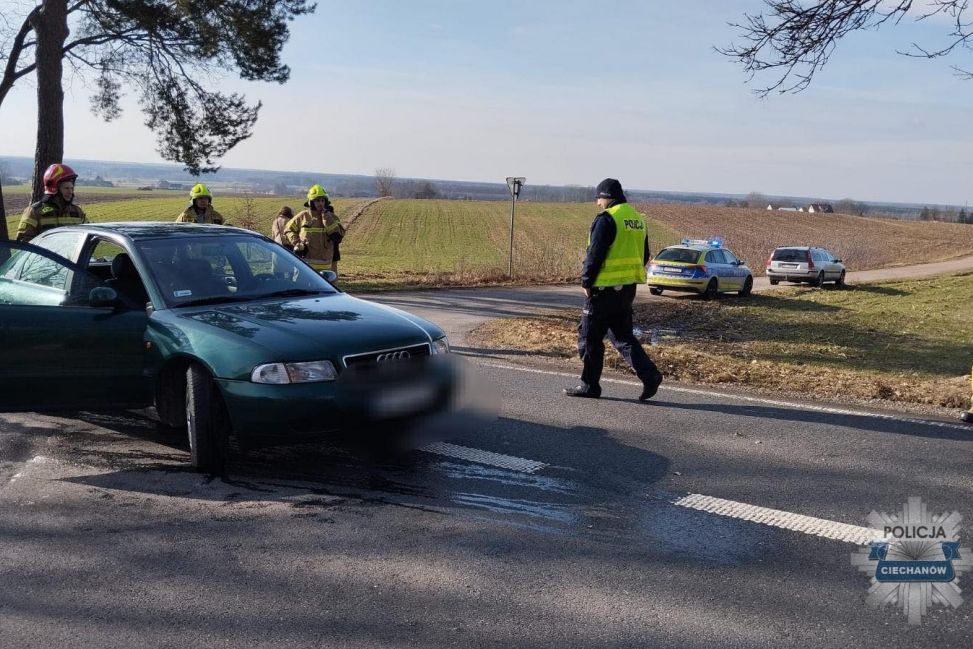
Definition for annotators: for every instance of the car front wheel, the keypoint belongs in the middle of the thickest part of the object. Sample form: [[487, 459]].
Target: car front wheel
[[840, 282], [747, 287], [819, 280], [774, 282], [654, 290], [206, 422]]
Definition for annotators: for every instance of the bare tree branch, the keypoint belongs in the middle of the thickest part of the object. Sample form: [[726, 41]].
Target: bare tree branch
[[796, 38]]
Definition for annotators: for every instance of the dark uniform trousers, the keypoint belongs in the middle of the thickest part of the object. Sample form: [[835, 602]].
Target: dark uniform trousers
[[609, 312]]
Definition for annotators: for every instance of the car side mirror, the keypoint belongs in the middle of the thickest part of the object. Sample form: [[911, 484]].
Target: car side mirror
[[329, 275], [738, 263], [837, 261], [102, 296]]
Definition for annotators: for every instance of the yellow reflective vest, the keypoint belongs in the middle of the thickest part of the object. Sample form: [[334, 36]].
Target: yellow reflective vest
[[624, 263], [48, 213]]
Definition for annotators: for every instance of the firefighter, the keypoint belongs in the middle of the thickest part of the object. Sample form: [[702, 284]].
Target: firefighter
[[278, 229], [200, 209], [56, 208], [316, 232], [967, 416], [618, 250]]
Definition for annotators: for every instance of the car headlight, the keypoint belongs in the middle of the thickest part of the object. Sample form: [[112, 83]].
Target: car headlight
[[281, 373], [440, 346]]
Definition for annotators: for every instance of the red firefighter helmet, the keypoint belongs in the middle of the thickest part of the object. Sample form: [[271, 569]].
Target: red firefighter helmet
[[56, 174]]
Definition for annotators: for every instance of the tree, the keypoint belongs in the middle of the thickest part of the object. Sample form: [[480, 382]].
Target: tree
[[796, 38], [169, 52], [384, 180]]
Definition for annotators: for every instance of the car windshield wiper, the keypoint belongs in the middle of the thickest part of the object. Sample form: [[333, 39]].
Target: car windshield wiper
[[291, 292], [222, 299]]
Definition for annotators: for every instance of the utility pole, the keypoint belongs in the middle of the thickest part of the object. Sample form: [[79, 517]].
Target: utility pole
[[514, 184]]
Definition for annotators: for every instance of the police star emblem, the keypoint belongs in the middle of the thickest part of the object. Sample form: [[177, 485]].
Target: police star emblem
[[914, 560]]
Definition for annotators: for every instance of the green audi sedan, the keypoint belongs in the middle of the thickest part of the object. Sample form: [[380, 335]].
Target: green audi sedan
[[224, 331]]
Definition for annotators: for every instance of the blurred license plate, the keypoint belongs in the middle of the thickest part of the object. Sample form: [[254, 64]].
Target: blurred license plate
[[788, 265], [402, 400], [672, 270]]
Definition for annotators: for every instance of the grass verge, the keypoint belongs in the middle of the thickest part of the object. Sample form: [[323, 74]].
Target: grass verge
[[909, 341]]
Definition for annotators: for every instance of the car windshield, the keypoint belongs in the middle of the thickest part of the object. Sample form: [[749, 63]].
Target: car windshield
[[789, 254], [687, 255], [226, 268]]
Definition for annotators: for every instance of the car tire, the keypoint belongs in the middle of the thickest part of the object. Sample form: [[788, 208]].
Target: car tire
[[747, 287], [654, 290], [840, 282], [207, 423], [170, 398], [774, 282], [819, 280], [712, 290]]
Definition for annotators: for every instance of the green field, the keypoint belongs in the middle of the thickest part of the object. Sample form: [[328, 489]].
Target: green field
[[411, 242], [417, 242]]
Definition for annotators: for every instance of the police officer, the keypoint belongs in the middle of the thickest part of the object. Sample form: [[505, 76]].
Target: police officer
[[56, 208], [200, 208], [967, 416], [618, 250], [316, 232]]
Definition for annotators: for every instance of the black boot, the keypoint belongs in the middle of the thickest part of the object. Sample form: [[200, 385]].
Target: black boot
[[583, 391], [650, 387]]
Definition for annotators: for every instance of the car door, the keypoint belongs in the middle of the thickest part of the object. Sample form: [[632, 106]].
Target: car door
[[59, 352], [723, 270], [739, 273]]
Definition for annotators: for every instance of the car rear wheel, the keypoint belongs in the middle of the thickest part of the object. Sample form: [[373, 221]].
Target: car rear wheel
[[206, 422], [774, 282], [712, 289], [840, 282], [747, 287], [819, 280], [655, 290]]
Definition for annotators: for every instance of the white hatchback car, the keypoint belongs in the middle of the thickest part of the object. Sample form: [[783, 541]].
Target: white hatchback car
[[805, 264]]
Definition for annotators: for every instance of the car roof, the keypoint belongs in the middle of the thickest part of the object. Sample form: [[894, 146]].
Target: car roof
[[690, 246], [798, 248], [144, 230]]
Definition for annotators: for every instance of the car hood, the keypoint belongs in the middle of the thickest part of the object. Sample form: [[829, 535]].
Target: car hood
[[232, 338]]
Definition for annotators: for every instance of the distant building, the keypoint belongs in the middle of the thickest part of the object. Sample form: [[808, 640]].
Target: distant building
[[785, 209], [822, 208]]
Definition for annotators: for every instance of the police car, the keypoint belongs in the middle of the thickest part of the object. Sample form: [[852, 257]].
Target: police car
[[701, 266]]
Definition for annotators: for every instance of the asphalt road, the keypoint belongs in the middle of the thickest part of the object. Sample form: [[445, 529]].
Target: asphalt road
[[535, 521]]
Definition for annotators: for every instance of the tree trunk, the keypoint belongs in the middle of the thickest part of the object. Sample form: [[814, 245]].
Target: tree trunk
[[51, 28], [4, 233]]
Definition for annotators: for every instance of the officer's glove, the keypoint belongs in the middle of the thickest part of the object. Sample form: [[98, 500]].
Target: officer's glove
[[300, 248]]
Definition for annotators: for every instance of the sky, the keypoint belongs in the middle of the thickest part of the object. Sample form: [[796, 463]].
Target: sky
[[569, 92]]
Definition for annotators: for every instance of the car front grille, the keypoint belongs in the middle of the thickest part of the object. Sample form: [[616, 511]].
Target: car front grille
[[363, 361]]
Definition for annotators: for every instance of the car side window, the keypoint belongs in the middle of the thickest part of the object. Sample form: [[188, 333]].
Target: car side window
[[715, 257], [730, 257]]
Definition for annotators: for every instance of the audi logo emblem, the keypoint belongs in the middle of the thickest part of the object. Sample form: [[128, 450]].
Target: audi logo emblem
[[392, 356]]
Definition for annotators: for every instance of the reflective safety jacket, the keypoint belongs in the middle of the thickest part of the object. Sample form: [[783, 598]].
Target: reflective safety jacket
[[49, 212], [209, 215], [314, 229], [624, 263]]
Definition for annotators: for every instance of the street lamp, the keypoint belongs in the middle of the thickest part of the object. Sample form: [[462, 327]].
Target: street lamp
[[514, 184]]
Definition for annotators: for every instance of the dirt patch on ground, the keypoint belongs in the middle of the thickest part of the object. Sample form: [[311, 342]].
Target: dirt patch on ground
[[864, 243]]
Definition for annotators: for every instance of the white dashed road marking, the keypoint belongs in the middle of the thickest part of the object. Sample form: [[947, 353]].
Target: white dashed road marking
[[484, 457], [778, 518], [768, 402]]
